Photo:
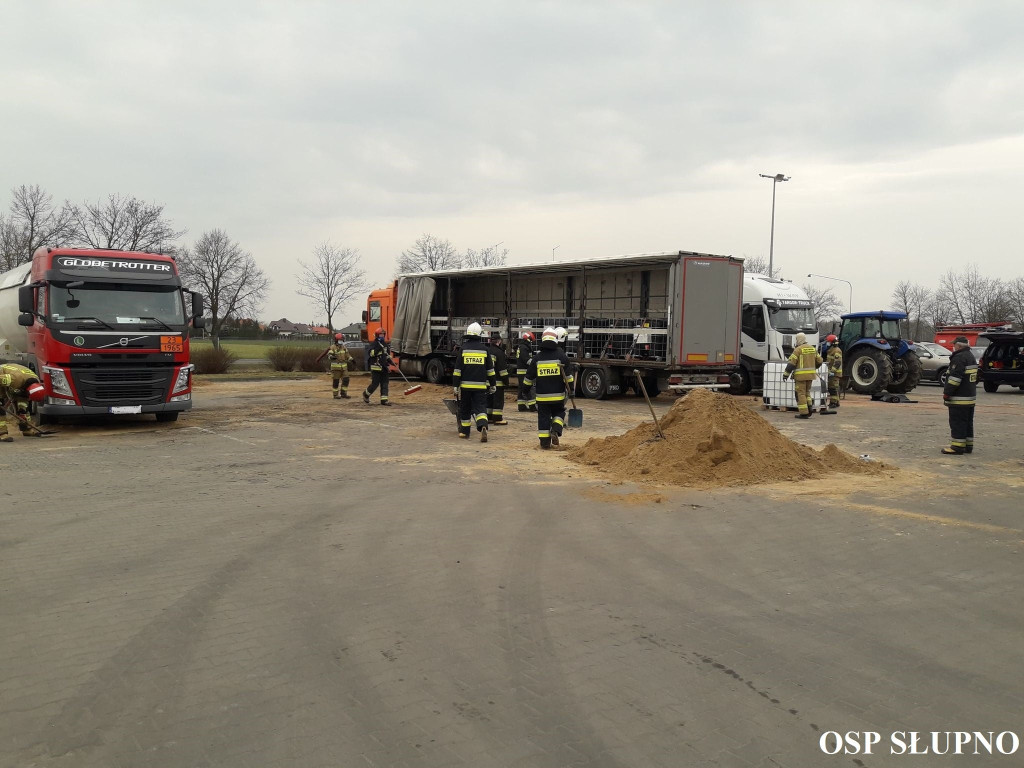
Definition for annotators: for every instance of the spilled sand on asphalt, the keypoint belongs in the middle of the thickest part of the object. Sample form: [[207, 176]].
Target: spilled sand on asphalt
[[713, 441]]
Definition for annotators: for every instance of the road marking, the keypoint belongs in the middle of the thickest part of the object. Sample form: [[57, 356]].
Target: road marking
[[228, 437], [951, 521]]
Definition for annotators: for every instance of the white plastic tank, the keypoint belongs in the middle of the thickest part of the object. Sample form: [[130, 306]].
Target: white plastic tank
[[13, 337]]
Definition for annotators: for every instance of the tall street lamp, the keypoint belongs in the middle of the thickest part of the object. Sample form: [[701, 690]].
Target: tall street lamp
[[553, 252], [839, 279], [771, 243]]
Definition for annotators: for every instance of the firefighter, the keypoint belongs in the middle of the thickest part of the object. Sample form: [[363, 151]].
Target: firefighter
[[496, 402], [959, 395], [378, 355], [524, 351], [834, 359], [340, 362], [474, 381], [549, 372], [18, 386], [802, 366]]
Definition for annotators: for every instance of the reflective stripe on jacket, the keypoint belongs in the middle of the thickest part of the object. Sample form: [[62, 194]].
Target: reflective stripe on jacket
[[834, 357], [961, 386], [804, 363]]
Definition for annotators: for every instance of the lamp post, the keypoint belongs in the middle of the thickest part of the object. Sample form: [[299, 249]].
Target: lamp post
[[771, 243], [553, 252], [826, 277]]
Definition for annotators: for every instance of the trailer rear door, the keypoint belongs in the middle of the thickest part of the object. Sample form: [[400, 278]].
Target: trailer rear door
[[712, 295]]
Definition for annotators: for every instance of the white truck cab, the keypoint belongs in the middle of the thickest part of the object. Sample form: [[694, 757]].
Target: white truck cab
[[774, 311]]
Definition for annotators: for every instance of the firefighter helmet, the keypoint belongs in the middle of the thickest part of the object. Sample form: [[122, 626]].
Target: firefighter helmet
[[526, 335], [549, 335], [561, 334], [474, 329], [36, 391], [338, 337], [831, 338], [379, 333]]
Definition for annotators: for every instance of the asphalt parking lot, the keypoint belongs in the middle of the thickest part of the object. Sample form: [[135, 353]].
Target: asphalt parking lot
[[279, 579]]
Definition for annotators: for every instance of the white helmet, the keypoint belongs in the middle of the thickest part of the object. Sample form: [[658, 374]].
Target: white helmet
[[549, 335], [561, 334], [474, 329], [800, 338]]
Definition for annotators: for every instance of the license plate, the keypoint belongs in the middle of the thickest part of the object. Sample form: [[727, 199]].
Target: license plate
[[126, 409], [171, 344]]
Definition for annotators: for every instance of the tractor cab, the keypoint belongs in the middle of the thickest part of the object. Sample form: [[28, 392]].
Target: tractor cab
[[875, 357]]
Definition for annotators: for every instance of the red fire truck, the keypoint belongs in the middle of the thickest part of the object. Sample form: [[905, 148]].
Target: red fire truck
[[944, 334], [106, 331]]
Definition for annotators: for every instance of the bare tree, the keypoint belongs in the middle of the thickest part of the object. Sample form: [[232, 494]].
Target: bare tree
[[758, 265], [826, 304], [429, 254], [332, 279], [970, 297], [125, 223], [1015, 300], [227, 277], [33, 221], [912, 299], [486, 257]]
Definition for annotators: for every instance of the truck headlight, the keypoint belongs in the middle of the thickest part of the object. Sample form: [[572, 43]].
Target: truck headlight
[[184, 380], [58, 381]]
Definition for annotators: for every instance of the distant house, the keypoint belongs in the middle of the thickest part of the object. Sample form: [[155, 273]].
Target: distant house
[[283, 327], [353, 332], [320, 330]]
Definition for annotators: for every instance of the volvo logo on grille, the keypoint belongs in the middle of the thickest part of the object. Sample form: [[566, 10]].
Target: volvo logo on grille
[[123, 341]]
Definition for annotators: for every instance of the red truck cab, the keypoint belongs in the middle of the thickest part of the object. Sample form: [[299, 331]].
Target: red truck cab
[[106, 331]]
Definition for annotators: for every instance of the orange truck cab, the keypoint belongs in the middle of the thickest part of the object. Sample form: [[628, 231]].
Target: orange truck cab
[[944, 334], [380, 311]]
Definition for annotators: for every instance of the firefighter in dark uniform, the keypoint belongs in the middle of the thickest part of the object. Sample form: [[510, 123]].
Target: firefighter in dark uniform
[[18, 386], [549, 372], [474, 381], [802, 366], [834, 359], [378, 356], [496, 402], [340, 361], [524, 351], [959, 395]]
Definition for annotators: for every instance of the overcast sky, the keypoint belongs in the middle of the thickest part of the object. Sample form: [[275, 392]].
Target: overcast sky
[[600, 128]]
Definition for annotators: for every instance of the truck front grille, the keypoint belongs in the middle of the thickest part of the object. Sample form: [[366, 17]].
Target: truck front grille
[[122, 386]]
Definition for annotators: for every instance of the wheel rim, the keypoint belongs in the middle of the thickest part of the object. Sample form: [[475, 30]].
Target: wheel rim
[[866, 371], [592, 382]]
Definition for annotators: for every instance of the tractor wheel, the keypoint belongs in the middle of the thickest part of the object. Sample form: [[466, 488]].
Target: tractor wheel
[[870, 371], [906, 373]]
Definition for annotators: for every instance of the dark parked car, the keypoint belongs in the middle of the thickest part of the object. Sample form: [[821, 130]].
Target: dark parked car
[[1002, 361]]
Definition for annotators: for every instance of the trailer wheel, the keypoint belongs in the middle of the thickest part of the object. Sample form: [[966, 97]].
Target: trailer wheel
[[593, 383], [739, 383], [434, 370], [167, 416]]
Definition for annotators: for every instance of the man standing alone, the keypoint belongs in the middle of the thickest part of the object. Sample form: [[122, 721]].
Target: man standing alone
[[959, 395]]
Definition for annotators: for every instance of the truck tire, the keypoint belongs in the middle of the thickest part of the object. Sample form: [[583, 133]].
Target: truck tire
[[870, 371], [434, 370], [906, 373], [990, 386], [167, 416], [39, 419], [739, 383], [593, 383], [653, 388]]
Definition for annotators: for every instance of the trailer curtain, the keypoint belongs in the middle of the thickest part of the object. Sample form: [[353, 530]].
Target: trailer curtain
[[411, 335]]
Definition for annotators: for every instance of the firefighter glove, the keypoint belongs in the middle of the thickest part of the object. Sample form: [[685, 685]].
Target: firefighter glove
[[456, 391]]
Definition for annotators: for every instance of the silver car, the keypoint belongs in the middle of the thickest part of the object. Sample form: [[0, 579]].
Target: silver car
[[934, 360]]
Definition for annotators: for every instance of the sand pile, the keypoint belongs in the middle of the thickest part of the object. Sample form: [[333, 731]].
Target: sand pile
[[713, 440]]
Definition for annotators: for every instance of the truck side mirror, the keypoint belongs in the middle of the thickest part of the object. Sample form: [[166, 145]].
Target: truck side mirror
[[197, 305], [364, 315], [26, 301], [26, 319], [199, 323]]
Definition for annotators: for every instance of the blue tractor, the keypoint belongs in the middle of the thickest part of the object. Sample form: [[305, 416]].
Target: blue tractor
[[875, 358]]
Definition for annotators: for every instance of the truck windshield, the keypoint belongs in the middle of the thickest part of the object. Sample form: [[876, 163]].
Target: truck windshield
[[111, 304], [793, 319]]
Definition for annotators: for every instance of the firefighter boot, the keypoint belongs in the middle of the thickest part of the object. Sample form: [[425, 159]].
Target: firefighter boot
[[483, 434], [5, 438], [554, 439], [366, 397], [523, 408], [336, 395]]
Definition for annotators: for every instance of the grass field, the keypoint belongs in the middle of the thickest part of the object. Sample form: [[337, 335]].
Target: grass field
[[246, 349]]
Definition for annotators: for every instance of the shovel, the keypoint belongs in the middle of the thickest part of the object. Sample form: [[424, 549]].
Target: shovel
[[575, 419], [13, 412], [640, 382]]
